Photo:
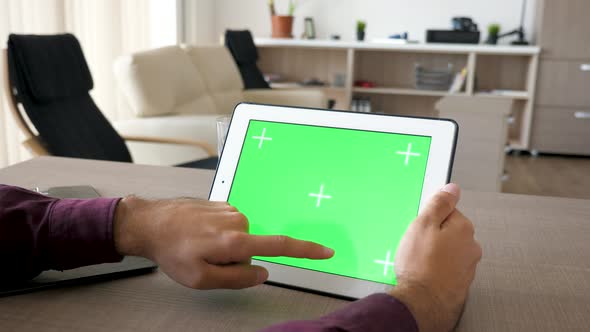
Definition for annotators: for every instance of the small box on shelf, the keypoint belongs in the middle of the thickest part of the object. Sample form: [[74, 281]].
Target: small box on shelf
[[361, 104]]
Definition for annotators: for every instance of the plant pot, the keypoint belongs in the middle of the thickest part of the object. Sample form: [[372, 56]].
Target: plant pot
[[492, 39], [282, 26], [360, 35]]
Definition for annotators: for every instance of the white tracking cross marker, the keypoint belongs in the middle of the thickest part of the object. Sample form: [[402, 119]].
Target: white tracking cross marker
[[262, 138], [408, 153], [386, 263], [320, 196]]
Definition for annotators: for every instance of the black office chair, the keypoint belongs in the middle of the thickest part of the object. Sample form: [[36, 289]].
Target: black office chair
[[242, 48], [48, 75]]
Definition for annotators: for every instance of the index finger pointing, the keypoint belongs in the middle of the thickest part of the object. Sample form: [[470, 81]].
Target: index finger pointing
[[280, 245]]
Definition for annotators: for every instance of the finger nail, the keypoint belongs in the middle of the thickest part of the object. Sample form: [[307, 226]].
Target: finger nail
[[329, 252], [452, 189]]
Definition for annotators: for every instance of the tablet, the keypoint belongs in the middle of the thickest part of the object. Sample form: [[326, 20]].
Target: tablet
[[350, 181]]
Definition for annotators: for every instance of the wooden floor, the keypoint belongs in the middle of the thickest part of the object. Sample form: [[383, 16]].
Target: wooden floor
[[548, 176]]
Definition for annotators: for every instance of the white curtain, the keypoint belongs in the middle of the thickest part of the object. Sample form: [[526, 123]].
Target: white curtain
[[105, 28]]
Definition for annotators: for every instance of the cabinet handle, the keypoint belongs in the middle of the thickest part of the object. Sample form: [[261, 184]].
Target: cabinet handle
[[585, 67], [582, 115]]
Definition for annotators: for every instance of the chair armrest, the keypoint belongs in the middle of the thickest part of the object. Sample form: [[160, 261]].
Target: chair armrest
[[313, 98], [164, 140]]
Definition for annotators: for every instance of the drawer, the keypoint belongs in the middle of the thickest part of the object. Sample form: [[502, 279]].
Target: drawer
[[564, 83], [564, 30], [558, 130]]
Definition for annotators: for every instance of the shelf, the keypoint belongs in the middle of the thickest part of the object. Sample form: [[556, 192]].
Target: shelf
[[406, 92], [296, 86], [521, 95], [420, 47]]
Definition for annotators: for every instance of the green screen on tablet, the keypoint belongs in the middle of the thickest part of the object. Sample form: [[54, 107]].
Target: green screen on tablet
[[351, 190]]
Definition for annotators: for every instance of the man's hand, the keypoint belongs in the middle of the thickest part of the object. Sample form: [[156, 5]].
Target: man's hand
[[436, 262], [201, 244]]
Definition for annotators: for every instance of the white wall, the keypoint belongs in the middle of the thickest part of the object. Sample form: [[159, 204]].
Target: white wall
[[163, 23], [199, 22], [384, 17]]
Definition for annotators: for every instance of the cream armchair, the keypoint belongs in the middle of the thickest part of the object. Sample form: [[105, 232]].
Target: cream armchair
[[179, 92]]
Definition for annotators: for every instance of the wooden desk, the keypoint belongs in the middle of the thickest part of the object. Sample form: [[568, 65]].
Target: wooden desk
[[534, 276]]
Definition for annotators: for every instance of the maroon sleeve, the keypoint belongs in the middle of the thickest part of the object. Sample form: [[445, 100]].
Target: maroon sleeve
[[40, 233], [378, 312]]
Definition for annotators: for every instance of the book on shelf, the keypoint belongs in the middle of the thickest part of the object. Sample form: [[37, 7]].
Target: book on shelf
[[459, 81]]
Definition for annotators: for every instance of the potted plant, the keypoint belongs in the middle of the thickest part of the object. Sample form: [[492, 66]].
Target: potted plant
[[493, 32], [282, 25], [360, 30]]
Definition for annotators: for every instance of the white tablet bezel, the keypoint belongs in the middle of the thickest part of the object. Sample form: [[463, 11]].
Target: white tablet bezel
[[438, 170]]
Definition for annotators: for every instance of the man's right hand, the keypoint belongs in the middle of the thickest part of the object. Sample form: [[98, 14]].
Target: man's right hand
[[201, 244], [436, 262]]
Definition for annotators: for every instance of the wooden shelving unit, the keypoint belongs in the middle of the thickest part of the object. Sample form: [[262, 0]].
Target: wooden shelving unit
[[506, 72]]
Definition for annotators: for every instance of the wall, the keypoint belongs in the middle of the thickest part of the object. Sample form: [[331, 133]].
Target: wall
[[384, 17], [199, 22], [163, 23]]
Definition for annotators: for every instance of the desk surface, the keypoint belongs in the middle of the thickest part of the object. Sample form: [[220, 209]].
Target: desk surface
[[534, 275]]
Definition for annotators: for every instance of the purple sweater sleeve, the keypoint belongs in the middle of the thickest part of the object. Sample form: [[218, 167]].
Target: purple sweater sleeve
[[39, 233], [378, 312]]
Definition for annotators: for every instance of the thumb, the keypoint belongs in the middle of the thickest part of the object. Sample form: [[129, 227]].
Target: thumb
[[234, 276], [441, 205]]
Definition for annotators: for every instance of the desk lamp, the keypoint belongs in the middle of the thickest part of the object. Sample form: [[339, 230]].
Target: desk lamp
[[519, 31]]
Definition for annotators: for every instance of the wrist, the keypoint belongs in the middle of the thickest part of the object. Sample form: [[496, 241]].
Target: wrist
[[427, 309], [129, 235]]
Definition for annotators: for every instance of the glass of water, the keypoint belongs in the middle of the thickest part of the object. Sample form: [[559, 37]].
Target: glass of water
[[222, 127]]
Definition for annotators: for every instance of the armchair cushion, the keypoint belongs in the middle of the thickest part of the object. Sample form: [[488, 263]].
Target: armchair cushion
[[52, 68], [220, 74], [242, 48], [241, 45], [162, 81]]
